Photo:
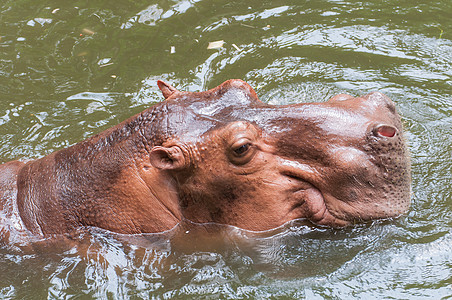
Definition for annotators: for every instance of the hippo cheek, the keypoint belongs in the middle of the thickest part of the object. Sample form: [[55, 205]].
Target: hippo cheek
[[308, 195]]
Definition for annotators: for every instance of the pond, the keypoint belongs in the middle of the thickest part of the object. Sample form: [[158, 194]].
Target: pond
[[70, 69]]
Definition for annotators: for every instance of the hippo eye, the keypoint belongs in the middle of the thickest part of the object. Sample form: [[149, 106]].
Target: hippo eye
[[242, 149]]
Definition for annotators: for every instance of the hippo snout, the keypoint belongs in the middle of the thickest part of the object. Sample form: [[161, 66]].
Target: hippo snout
[[374, 99]]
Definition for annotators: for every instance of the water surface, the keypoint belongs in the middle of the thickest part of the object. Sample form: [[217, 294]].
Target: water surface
[[70, 69]]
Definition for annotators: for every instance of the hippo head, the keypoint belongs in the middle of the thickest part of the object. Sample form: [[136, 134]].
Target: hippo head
[[236, 160]]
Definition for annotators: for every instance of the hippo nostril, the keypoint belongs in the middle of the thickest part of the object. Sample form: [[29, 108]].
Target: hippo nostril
[[385, 131]]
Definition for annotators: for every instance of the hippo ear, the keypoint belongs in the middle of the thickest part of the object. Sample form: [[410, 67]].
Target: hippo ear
[[167, 89], [167, 158]]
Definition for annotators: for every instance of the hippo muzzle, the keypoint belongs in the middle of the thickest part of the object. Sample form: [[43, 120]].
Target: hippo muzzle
[[221, 156]]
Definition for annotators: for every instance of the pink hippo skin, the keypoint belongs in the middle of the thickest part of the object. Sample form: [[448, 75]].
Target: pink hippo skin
[[218, 156]]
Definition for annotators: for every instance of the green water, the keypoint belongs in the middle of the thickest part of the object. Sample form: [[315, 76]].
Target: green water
[[70, 69]]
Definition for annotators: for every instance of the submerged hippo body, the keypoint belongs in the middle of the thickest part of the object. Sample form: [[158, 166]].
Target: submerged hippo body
[[219, 156]]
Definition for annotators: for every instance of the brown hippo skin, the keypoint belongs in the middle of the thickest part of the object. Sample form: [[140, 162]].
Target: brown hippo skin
[[219, 156]]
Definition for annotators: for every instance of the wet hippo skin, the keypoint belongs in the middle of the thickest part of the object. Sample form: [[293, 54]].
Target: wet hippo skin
[[219, 156]]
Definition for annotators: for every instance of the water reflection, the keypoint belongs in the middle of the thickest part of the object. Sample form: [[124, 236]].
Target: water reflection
[[191, 259]]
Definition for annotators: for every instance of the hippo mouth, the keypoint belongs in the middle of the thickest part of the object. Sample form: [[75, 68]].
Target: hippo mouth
[[324, 209], [310, 202], [313, 206]]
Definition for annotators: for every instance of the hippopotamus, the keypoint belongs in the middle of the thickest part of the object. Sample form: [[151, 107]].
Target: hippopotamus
[[219, 156]]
